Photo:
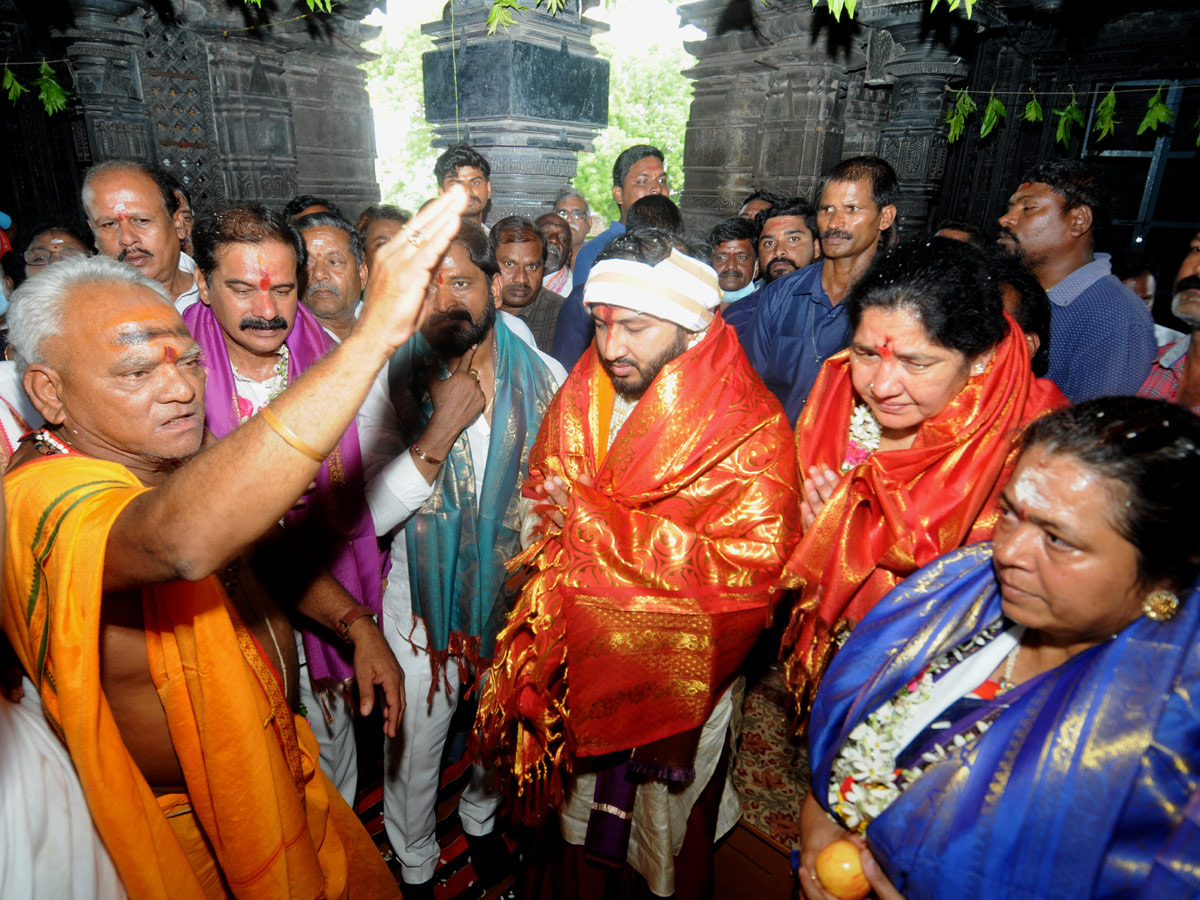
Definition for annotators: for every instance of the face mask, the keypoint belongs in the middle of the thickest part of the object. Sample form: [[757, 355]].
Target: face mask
[[733, 296]]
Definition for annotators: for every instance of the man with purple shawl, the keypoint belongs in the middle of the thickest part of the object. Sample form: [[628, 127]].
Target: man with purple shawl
[[256, 338]]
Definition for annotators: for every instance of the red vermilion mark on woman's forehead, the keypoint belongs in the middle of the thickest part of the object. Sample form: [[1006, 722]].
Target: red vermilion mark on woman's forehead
[[169, 354], [885, 349]]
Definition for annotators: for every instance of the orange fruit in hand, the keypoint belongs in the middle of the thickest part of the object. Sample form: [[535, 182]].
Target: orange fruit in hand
[[839, 869]]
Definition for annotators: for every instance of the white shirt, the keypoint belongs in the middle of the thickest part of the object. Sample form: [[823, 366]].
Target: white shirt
[[192, 294]]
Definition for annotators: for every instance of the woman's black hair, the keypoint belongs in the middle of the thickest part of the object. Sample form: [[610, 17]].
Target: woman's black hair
[[1150, 452], [946, 284]]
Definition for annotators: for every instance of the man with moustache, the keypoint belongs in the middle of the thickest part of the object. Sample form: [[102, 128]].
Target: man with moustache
[[787, 238], [661, 505], [1175, 375], [800, 321], [638, 172], [136, 218], [336, 272], [557, 235], [171, 695], [447, 430], [735, 260], [520, 252], [1102, 336], [464, 166], [573, 208], [256, 340]]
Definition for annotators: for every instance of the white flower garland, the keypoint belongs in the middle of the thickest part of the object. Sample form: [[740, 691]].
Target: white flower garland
[[865, 435], [864, 780]]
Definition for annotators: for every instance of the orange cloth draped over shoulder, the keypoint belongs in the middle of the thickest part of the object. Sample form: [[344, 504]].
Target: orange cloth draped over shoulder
[[900, 509], [275, 825], [641, 609]]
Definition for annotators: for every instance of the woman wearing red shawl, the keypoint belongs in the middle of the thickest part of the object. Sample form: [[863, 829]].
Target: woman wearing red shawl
[[919, 416]]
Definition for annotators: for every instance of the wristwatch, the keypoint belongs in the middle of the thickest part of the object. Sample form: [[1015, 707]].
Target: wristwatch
[[342, 626]]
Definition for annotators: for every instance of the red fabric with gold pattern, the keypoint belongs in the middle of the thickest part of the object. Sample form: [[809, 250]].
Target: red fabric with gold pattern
[[641, 609], [900, 509]]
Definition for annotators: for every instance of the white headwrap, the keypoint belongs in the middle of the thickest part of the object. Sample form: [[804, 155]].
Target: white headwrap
[[679, 289]]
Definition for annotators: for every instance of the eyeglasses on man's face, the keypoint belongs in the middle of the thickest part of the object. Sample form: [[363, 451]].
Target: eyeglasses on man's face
[[41, 257]]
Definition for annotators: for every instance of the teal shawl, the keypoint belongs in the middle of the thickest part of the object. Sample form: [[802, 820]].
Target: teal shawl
[[458, 543]]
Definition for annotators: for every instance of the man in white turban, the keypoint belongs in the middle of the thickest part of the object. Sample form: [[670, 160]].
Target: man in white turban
[[660, 508]]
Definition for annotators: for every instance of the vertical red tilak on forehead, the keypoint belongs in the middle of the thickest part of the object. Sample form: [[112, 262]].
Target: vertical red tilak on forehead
[[885, 349], [264, 283], [438, 278], [606, 314], [169, 354]]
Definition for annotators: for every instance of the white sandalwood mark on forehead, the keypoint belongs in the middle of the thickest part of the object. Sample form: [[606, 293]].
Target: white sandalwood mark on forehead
[[1030, 488]]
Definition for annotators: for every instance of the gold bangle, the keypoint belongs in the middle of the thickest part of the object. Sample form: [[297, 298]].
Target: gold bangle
[[432, 460], [289, 436]]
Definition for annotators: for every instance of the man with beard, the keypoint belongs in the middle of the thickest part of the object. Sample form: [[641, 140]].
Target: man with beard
[[462, 165], [557, 235], [257, 339], [136, 219], [520, 252], [800, 321], [447, 431], [787, 238], [336, 271], [1175, 375], [575, 328], [660, 508], [736, 262], [1101, 335]]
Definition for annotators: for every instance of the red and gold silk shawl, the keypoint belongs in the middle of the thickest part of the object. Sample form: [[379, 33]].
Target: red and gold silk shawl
[[275, 823], [642, 607], [900, 509]]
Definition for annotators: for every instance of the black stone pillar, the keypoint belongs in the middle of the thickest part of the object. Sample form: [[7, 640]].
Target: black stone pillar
[[105, 55], [529, 99], [771, 110], [918, 54]]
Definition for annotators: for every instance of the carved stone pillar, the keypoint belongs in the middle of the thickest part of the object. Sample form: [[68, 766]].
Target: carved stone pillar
[[105, 55], [916, 53], [529, 99], [770, 107]]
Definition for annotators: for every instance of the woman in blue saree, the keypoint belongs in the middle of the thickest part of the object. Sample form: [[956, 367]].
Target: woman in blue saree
[[1021, 719]]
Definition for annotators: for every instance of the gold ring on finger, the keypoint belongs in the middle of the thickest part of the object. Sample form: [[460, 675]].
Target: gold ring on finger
[[474, 373], [416, 238]]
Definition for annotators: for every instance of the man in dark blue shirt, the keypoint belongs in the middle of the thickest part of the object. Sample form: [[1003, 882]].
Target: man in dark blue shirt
[[735, 259], [799, 322], [637, 173], [1101, 334]]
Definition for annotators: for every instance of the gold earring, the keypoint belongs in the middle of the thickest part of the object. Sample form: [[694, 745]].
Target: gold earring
[[1160, 605]]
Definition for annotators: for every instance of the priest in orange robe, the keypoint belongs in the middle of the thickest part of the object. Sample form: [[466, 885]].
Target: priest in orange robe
[[666, 502], [172, 691]]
